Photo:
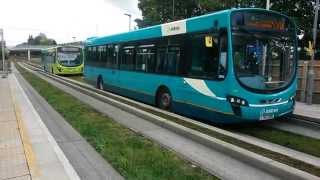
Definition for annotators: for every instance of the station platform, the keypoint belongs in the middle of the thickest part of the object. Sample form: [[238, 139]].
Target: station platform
[[27, 149], [310, 112]]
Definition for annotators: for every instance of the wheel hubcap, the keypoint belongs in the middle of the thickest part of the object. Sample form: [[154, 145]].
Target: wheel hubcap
[[165, 100]]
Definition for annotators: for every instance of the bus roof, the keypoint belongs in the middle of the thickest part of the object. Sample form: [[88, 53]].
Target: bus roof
[[194, 24], [58, 46]]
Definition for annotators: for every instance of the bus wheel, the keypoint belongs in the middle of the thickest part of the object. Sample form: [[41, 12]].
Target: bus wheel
[[164, 99], [100, 83]]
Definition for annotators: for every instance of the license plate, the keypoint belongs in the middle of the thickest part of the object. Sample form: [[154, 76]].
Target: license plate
[[267, 114], [264, 117]]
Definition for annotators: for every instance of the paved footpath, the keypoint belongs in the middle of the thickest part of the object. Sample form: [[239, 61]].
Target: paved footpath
[[27, 149], [309, 111]]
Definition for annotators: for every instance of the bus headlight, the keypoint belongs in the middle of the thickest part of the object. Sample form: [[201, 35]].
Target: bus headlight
[[236, 101]]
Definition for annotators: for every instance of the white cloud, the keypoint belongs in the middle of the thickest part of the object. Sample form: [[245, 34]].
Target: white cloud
[[64, 19]]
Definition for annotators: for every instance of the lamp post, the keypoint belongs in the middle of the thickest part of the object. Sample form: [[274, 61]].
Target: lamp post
[[268, 5], [129, 15], [2, 48], [172, 10], [311, 69]]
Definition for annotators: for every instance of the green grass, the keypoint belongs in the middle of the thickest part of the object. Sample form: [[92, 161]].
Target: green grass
[[131, 154]]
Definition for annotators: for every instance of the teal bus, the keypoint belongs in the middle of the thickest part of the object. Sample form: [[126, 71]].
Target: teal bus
[[232, 66], [63, 60]]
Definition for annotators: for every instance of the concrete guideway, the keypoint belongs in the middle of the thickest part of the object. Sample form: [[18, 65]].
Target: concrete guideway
[[304, 128], [215, 159]]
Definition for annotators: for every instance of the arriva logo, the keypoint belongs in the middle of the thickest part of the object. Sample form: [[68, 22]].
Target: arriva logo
[[174, 28]]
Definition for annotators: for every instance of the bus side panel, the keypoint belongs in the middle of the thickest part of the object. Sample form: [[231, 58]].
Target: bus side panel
[[143, 85], [92, 73]]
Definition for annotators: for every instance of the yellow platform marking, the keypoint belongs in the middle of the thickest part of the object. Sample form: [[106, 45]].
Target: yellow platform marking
[[27, 146]]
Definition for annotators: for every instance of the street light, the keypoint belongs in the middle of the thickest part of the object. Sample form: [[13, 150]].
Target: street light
[[268, 5], [2, 48], [172, 10], [311, 69], [129, 15]]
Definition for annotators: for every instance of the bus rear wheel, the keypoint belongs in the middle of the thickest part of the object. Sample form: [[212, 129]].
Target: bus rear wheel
[[164, 99]]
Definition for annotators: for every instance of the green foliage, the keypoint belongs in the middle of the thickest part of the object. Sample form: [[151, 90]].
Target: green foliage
[[41, 39], [158, 12]]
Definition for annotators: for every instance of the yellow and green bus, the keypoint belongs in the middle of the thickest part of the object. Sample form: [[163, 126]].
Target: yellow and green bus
[[63, 60]]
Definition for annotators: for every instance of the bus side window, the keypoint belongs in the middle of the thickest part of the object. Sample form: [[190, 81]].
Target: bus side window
[[145, 58], [223, 43], [204, 56], [173, 58], [161, 58], [127, 58]]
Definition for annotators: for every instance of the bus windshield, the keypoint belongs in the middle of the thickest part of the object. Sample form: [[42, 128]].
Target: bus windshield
[[69, 56], [264, 50]]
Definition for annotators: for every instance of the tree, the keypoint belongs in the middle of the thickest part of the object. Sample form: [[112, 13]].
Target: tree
[[41, 39], [157, 12]]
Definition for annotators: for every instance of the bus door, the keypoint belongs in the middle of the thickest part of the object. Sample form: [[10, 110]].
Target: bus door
[[109, 59], [206, 68]]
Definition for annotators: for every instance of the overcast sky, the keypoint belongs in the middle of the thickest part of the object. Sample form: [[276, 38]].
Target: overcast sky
[[64, 19]]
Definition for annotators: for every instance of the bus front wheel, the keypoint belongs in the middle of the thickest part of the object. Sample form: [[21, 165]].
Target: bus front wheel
[[164, 99]]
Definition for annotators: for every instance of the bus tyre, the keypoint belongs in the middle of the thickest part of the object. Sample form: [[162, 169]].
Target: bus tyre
[[164, 99], [100, 83]]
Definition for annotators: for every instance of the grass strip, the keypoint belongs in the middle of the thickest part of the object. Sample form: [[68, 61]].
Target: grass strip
[[132, 155], [253, 148]]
